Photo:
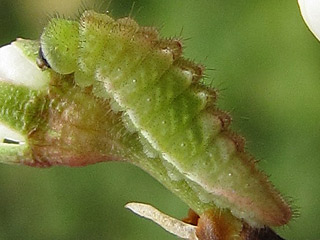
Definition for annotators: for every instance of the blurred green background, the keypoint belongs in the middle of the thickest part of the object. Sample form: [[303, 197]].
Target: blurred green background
[[266, 65]]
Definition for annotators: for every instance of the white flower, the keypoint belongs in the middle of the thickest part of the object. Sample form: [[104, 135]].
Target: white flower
[[18, 66], [310, 10]]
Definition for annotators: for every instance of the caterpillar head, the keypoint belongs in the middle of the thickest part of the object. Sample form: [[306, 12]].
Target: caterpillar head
[[59, 46]]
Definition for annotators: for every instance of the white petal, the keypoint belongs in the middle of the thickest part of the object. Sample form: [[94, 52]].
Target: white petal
[[17, 68], [172, 225], [310, 10], [9, 134]]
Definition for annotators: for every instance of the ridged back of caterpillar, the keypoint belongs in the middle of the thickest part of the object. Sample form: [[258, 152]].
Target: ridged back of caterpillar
[[161, 97], [152, 83], [160, 94]]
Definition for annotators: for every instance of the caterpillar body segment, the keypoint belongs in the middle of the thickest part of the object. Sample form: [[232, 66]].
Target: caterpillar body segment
[[62, 51], [161, 98]]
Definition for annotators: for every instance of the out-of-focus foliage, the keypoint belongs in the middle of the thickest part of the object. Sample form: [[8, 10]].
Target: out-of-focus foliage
[[266, 64]]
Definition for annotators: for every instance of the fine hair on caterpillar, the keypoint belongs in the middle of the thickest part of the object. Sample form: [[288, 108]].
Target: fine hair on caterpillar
[[95, 89], [161, 96]]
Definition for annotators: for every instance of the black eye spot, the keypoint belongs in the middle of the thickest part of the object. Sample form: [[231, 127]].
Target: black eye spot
[[41, 61]]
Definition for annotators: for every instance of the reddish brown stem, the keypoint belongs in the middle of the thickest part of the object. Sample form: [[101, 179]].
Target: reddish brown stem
[[211, 227]]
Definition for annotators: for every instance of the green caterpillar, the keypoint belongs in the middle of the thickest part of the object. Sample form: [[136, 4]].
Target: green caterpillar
[[112, 90], [160, 97]]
